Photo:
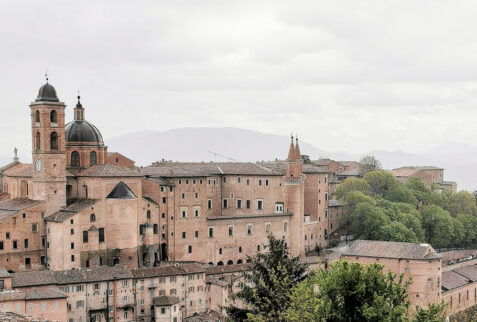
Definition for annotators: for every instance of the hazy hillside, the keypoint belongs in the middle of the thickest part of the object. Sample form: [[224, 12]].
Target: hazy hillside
[[200, 144], [195, 144]]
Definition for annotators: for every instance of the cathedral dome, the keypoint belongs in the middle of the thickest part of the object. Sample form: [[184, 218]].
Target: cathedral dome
[[47, 93], [82, 131]]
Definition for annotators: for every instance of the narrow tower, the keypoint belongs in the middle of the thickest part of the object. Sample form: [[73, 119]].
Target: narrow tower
[[295, 187], [48, 154]]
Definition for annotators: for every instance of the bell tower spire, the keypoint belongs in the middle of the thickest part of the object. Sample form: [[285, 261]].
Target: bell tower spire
[[79, 110], [48, 149]]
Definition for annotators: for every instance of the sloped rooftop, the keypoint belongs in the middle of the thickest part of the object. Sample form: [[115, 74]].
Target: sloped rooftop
[[387, 249], [74, 208], [121, 191]]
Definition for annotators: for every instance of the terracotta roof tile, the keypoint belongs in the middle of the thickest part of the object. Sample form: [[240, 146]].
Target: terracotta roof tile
[[177, 269], [109, 170], [19, 170], [43, 294], [74, 208], [10, 207], [204, 169], [387, 249], [452, 280], [166, 300]]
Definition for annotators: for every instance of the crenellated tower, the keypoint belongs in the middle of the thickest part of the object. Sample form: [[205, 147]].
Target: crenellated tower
[[49, 153]]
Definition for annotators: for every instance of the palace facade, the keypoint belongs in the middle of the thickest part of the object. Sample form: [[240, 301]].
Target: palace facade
[[78, 206]]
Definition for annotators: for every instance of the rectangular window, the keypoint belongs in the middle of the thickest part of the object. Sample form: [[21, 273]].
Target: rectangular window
[[1, 245], [183, 195], [196, 213], [247, 204], [15, 246], [141, 229], [249, 229], [183, 234], [326, 195], [85, 236], [101, 235], [231, 231], [43, 241], [260, 182], [231, 196], [27, 261], [72, 245], [126, 299], [268, 227], [196, 234], [155, 229], [224, 179], [266, 182], [239, 203], [248, 182], [7, 235], [72, 231], [79, 304], [43, 306], [278, 208], [19, 307], [211, 232], [224, 203], [209, 203], [184, 213], [260, 204], [34, 228], [164, 199], [72, 258], [285, 227]]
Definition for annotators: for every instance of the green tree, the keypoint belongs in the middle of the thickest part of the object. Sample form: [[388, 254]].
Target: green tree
[[266, 288], [461, 202], [380, 182], [434, 313], [350, 185], [368, 163], [367, 221], [350, 292], [438, 226], [469, 223], [399, 193], [418, 189], [351, 200]]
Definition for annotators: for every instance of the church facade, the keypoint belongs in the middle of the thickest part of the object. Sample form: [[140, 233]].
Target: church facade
[[78, 206]]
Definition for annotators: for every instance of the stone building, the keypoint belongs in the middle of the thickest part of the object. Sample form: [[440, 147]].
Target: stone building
[[79, 206], [428, 175], [417, 261]]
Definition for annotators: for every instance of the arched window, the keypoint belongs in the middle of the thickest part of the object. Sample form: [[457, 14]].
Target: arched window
[[116, 261], [92, 218], [220, 263], [190, 249], [239, 261], [37, 140], [37, 116], [75, 159], [92, 158], [230, 262], [53, 117], [148, 214], [54, 141]]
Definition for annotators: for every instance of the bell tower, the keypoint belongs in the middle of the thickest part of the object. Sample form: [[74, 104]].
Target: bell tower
[[48, 153]]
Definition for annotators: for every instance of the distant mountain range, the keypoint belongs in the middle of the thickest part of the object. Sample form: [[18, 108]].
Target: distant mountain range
[[233, 144]]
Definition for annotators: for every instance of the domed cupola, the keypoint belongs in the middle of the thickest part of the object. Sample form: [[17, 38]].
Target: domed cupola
[[47, 93], [82, 131]]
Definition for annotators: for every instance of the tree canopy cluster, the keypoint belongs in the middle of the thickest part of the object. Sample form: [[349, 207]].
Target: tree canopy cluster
[[379, 207]]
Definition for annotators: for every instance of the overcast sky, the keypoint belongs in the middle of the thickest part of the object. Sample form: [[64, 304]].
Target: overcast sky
[[345, 75]]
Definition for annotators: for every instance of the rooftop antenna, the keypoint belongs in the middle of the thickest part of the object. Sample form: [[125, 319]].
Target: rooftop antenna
[[46, 75]]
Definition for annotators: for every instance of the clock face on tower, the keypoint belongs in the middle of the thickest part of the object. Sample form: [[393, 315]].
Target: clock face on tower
[[38, 165]]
